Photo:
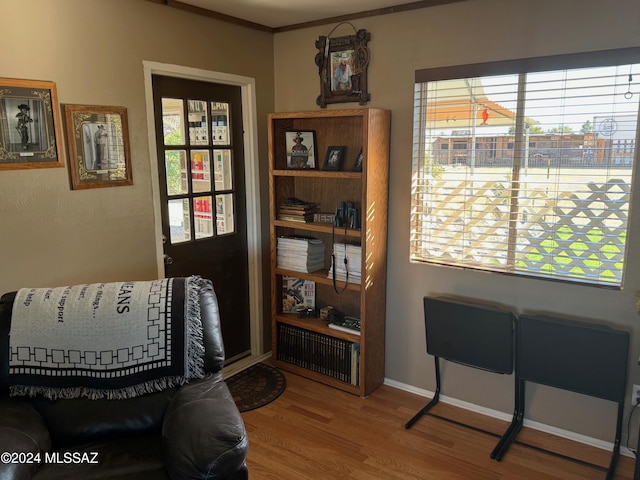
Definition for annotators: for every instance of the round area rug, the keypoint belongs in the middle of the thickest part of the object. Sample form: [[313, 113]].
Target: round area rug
[[256, 386]]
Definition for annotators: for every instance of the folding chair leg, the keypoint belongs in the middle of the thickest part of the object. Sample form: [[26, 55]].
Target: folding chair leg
[[616, 446], [516, 423], [434, 400]]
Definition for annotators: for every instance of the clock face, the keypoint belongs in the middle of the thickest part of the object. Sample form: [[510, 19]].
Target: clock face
[[608, 127]]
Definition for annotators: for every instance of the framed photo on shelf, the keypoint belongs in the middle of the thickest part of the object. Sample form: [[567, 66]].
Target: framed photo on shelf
[[333, 160], [30, 125], [301, 150], [98, 144], [357, 166]]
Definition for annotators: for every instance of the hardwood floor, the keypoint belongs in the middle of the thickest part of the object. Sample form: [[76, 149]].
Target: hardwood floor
[[317, 432]]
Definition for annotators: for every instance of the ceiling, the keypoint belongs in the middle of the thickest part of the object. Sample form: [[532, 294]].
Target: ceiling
[[277, 14]]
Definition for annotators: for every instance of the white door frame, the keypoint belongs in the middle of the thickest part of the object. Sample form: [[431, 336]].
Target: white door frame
[[250, 126]]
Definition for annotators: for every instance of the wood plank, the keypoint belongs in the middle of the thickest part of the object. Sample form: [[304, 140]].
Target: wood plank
[[316, 432]]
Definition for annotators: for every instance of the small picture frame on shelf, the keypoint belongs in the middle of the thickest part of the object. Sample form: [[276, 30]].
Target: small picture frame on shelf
[[301, 150], [333, 160], [357, 166]]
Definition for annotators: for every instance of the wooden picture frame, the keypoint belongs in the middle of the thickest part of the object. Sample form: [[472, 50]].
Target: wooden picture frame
[[30, 126], [342, 65], [301, 150], [98, 145], [333, 160], [357, 165]]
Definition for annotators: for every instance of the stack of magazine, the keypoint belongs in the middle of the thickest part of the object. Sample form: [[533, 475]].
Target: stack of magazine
[[353, 254], [300, 254]]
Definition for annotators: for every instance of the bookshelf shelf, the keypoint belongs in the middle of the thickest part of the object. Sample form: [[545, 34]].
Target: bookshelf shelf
[[318, 377], [355, 129], [315, 325], [316, 174], [317, 227]]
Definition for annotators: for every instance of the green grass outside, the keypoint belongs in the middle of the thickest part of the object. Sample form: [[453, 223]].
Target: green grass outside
[[591, 263]]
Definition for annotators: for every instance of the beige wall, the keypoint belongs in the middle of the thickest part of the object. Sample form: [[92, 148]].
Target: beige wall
[[463, 33], [93, 50]]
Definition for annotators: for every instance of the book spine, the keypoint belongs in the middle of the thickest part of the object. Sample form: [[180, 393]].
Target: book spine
[[355, 364], [334, 357]]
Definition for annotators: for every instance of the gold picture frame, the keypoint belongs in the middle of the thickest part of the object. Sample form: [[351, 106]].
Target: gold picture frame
[[30, 125], [98, 144]]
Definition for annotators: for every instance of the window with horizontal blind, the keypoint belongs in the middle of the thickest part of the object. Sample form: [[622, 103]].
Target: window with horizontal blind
[[526, 166]]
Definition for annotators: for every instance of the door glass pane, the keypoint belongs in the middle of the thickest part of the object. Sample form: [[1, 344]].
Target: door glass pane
[[198, 129], [224, 214], [200, 171], [179, 225], [176, 166], [223, 177], [202, 213], [173, 121], [220, 123]]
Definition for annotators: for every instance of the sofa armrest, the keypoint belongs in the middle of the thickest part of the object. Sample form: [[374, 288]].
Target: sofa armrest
[[203, 434], [211, 328], [22, 430]]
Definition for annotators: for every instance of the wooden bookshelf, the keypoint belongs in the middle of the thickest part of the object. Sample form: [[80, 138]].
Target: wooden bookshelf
[[355, 129]]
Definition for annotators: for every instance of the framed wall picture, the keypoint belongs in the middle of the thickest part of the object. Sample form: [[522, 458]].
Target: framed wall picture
[[301, 150], [342, 65], [357, 166], [333, 160], [98, 144], [30, 127]]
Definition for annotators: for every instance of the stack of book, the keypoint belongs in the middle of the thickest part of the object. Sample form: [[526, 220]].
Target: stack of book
[[353, 265], [300, 254], [296, 210]]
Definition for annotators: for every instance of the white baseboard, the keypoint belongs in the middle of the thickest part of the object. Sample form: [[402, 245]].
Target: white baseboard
[[559, 432]]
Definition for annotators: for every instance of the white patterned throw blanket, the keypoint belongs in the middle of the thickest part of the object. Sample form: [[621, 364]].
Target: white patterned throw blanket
[[106, 340]]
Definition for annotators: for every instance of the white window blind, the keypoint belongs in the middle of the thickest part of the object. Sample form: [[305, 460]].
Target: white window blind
[[528, 173]]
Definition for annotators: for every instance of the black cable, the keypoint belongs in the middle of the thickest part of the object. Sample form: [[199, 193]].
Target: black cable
[[635, 452], [333, 259]]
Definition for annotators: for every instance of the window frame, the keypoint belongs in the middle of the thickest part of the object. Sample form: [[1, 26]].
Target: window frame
[[599, 58]]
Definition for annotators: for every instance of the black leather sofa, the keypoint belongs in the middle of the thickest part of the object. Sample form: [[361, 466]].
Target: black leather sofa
[[191, 432]]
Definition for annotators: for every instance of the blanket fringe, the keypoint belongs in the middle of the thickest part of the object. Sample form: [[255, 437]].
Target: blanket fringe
[[96, 394], [195, 345]]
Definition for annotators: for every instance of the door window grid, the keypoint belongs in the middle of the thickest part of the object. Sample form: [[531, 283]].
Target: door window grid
[[198, 129], [187, 179], [201, 171]]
